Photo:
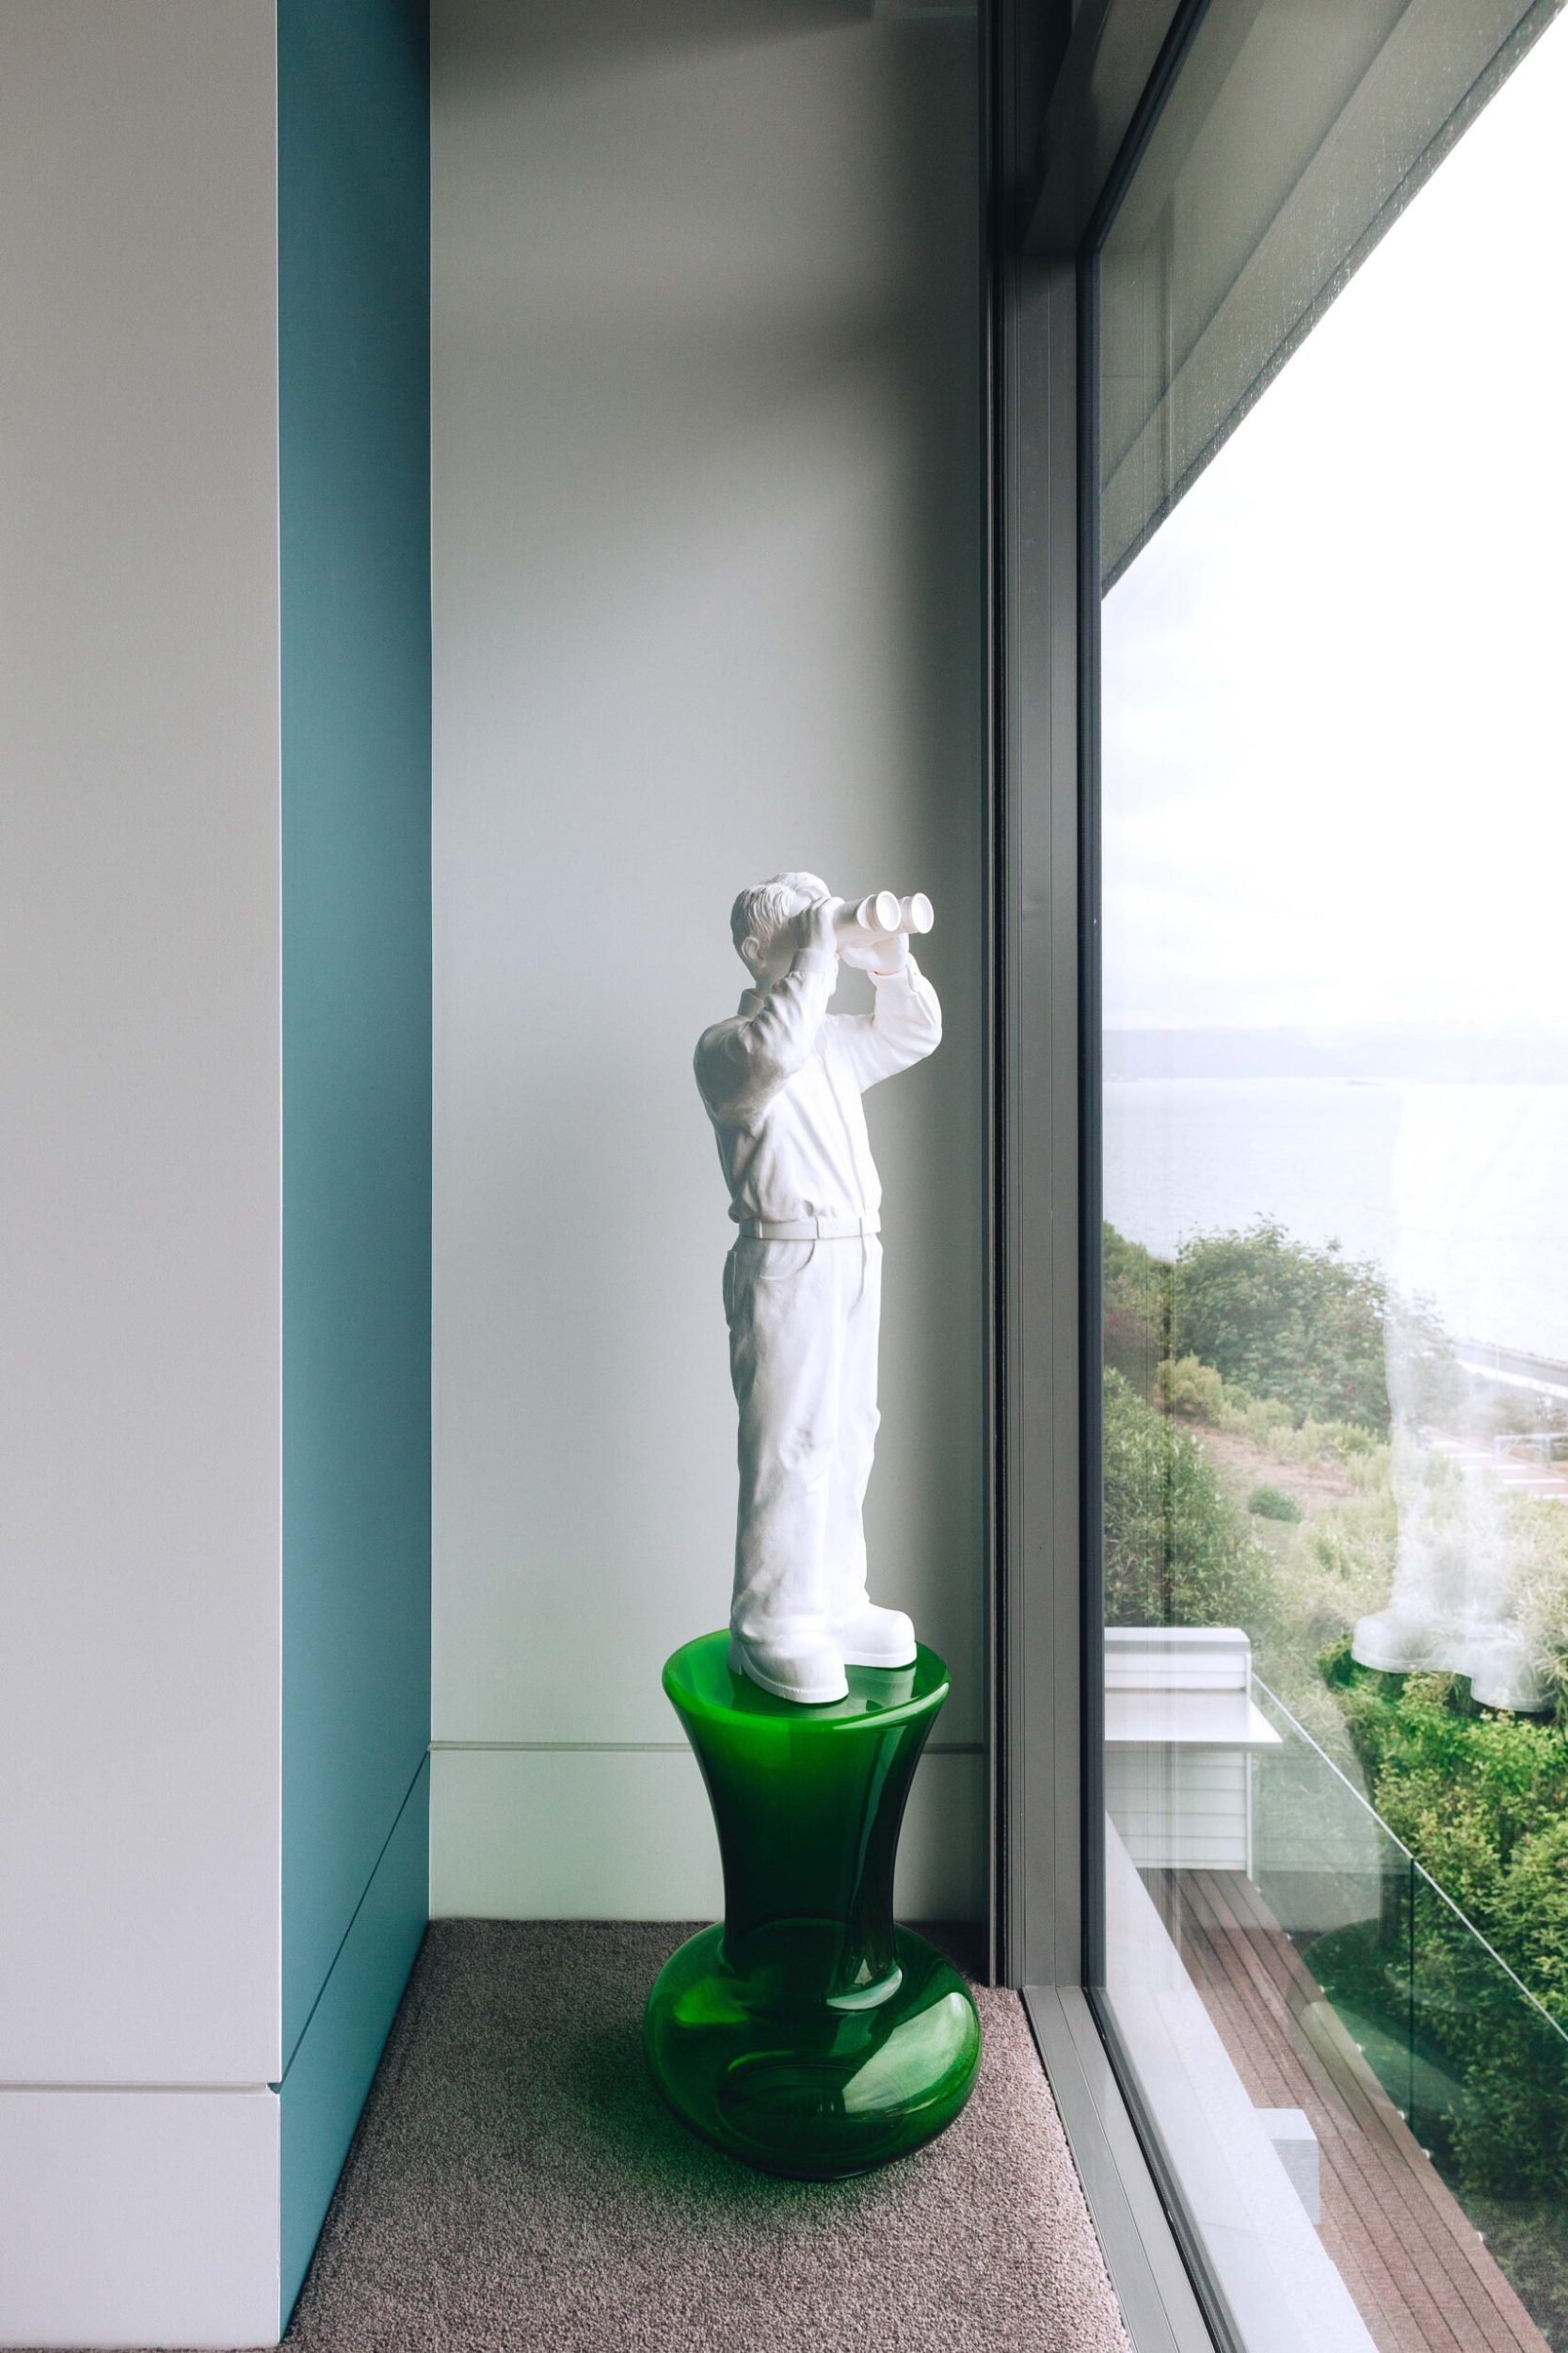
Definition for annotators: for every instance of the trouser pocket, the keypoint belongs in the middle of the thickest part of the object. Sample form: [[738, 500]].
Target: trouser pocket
[[765, 1266]]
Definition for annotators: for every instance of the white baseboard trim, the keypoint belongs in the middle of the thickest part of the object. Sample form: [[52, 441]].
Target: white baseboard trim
[[586, 1833]]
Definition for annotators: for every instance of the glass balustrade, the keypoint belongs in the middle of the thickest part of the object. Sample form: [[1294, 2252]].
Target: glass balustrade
[[1398, 1984]]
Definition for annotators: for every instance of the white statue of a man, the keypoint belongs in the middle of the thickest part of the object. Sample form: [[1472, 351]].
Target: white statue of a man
[[782, 1082]]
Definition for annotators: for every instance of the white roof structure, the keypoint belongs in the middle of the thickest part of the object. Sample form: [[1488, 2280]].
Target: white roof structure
[[1182, 1687]]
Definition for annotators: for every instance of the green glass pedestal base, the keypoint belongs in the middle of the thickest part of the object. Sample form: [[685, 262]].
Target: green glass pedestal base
[[807, 2035], [807, 2090]]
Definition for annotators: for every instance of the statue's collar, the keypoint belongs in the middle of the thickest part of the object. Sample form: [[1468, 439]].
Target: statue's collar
[[752, 1001]]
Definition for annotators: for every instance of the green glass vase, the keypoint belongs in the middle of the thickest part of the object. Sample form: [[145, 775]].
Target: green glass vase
[[805, 2034]]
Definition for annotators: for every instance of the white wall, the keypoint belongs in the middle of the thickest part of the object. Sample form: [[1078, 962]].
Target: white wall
[[139, 1064], [139, 1186], [708, 578]]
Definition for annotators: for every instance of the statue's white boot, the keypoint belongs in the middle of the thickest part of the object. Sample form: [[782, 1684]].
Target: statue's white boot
[[869, 1636], [799, 1663]]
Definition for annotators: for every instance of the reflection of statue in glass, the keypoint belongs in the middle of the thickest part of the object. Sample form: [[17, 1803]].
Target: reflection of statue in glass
[[782, 1081], [1454, 1608]]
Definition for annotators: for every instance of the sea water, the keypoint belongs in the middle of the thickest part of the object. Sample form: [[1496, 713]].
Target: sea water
[[1459, 1192]]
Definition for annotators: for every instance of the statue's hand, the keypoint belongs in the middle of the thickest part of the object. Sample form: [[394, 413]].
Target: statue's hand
[[814, 928], [883, 952]]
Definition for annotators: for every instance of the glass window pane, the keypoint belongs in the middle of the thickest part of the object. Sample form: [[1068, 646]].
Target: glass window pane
[[1335, 802]]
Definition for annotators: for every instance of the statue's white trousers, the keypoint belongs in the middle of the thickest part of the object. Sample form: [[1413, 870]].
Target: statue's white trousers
[[803, 1318]]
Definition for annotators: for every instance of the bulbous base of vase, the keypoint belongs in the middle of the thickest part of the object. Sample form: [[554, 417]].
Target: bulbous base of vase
[[815, 2086]]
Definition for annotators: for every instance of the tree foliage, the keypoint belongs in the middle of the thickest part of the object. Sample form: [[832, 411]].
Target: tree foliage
[[1137, 1293], [1177, 1551], [1286, 1326], [1464, 1787], [1283, 1320]]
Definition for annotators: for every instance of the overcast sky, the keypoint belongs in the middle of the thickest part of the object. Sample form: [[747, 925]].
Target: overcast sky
[[1335, 780]]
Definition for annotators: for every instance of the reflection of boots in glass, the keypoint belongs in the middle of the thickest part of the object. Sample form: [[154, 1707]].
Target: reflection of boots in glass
[[1493, 1649], [1420, 1628], [1503, 1672], [1401, 1640]]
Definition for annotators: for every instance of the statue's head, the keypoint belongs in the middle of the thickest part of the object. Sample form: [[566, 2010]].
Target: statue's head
[[759, 922]]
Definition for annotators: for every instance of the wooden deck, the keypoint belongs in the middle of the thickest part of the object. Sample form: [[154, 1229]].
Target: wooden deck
[[1422, 2279]]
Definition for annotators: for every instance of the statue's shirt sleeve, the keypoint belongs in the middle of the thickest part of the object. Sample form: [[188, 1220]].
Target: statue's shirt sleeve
[[741, 1064], [906, 1026], [782, 1084]]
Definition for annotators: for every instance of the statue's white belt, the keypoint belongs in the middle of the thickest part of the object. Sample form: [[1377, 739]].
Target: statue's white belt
[[808, 1228]]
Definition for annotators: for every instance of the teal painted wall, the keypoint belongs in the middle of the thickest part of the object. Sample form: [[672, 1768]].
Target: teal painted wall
[[353, 471], [332, 2070]]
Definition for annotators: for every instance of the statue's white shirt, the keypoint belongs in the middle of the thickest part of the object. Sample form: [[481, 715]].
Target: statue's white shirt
[[782, 1082]]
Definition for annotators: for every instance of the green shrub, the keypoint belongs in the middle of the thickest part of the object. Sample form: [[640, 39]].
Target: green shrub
[[1187, 1386], [1268, 1424], [1335, 1441], [1443, 1771], [1177, 1551], [1508, 2136], [1285, 1320], [1480, 1799], [1333, 1569], [1195, 1390], [1535, 1538], [1272, 1503], [1491, 2074], [1265, 1421], [1532, 1916], [1137, 1310]]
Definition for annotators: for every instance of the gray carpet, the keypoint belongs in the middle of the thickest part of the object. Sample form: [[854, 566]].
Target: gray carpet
[[516, 2184]]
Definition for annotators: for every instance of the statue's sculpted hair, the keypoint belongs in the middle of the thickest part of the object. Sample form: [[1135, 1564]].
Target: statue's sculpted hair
[[762, 912]]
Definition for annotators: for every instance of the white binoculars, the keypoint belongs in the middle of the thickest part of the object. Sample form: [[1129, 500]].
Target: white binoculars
[[881, 915]]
